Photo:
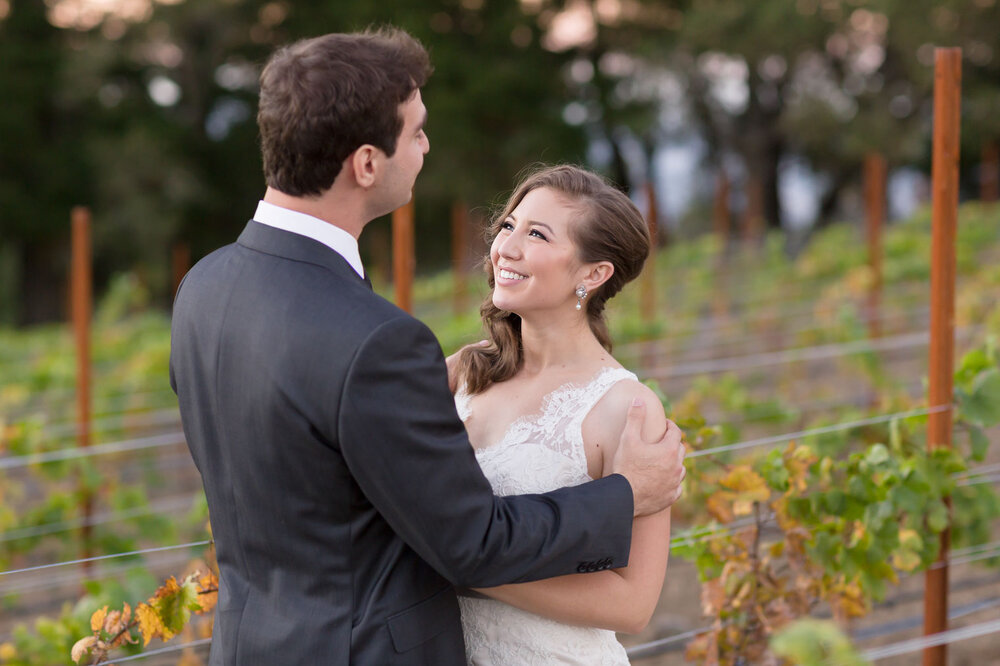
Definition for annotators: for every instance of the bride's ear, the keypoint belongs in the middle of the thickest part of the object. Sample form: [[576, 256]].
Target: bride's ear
[[597, 274]]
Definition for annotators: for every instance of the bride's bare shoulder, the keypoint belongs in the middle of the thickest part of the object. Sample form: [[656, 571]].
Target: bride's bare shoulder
[[606, 421]]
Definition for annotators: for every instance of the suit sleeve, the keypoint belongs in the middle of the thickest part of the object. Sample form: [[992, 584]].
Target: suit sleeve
[[408, 451]]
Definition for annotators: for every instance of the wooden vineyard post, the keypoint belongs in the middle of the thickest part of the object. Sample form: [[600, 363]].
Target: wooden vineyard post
[[379, 243], [647, 288], [403, 255], [80, 310], [180, 264], [459, 249], [721, 223], [647, 296], [944, 211], [720, 208], [875, 180], [753, 216], [989, 173]]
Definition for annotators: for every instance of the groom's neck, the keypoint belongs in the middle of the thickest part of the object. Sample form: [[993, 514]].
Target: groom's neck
[[332, 206]]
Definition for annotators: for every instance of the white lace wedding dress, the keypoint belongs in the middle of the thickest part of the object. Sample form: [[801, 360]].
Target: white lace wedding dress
[[539, 453]]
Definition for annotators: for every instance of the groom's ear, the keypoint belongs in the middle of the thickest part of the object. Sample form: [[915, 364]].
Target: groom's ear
[[365, 163]]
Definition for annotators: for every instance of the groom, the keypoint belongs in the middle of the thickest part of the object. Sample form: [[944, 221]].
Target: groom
[[345, 499]]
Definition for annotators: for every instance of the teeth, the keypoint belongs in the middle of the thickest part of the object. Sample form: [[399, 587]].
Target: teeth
[[507, 275]]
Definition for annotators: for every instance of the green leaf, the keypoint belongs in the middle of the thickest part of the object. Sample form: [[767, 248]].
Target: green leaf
[[895, 436], [774, 471], [813, 642], [834, 501], [937, 516], [979, 443], [877, 454], [174, 606], [982, 404], [971, 365], [907, 500]]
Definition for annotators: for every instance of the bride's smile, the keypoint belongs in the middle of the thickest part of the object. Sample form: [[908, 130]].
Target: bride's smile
[[535, 259]]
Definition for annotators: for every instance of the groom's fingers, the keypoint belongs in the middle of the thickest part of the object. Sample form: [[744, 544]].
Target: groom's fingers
[[634, 420], [672, 435]]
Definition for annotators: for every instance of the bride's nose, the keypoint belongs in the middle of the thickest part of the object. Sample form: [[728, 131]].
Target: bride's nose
[[510, 246]]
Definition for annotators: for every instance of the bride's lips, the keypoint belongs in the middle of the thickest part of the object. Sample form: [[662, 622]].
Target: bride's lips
[[506, 276]]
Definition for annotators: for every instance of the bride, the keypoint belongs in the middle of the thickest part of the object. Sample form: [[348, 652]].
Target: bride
[[544, 403]]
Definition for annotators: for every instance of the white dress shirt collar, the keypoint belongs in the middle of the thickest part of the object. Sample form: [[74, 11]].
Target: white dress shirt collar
[[332, 236]]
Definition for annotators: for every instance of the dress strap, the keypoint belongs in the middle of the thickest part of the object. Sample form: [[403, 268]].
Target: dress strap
[[599, 386], [590, 396], [462, 400]]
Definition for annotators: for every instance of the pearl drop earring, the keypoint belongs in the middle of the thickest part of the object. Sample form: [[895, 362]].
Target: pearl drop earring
[[581, 293]]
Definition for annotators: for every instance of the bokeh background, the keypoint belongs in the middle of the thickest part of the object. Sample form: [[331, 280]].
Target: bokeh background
[[144, 111]]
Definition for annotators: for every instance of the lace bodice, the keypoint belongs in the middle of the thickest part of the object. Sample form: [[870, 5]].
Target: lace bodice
[[538, 453], [544, 451]]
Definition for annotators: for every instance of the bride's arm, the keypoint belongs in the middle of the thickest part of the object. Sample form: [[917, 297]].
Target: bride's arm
[[619, 599]]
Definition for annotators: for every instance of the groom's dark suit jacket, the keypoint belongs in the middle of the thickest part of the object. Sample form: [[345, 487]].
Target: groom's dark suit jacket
[[344, 496]]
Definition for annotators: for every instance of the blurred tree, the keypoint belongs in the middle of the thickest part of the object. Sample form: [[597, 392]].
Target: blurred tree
[[169, 148], [44, 168], [146, 111], [822, 79]]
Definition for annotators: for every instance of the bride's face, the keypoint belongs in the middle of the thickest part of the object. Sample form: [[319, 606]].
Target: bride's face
[[535, 264]]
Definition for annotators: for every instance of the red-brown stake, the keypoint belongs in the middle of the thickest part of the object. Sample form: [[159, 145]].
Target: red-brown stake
[[403, 260], [180, 264], [875, 176], [944, 206], [80, 311]]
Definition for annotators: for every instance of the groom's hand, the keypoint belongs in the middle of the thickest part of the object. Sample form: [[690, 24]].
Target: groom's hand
[[655, 470]]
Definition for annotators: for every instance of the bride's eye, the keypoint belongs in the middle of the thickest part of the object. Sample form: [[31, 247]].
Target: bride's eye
[[538, 234], [505, 226]]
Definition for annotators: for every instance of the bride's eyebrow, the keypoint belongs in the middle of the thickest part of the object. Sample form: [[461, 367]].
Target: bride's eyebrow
[[534, 222], [542, 224]]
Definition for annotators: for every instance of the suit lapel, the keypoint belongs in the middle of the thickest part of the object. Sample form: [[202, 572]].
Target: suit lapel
[[296, 247]]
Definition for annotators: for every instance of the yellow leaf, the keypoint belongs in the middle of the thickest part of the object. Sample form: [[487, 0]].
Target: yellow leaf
[[910, 539], [742, 507], [719, 507], [97, 619], [857, 533], [150, 624], [169, 588], [117, 627], [7, 652], [747, 482], [849, 601], [82, 647], [207, 600], [113, 622], [905, 560], [713, 596]]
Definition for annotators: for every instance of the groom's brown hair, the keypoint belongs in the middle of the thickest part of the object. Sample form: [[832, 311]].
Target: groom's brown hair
[[323, 98]]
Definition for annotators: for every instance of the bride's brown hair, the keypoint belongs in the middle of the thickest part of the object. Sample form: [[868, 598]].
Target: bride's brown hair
[[608, 228]]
